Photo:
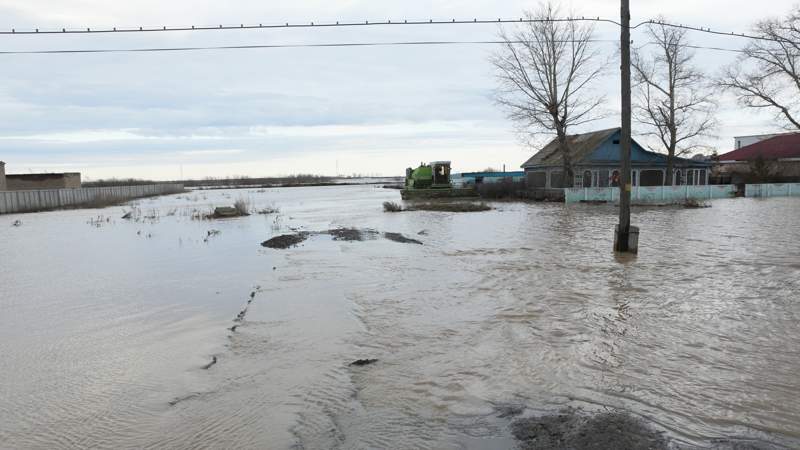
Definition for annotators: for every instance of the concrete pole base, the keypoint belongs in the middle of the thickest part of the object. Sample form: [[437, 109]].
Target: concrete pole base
[[626, 242]]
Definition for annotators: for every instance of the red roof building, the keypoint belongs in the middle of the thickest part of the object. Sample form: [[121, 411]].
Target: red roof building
[[784, 146], [773, 160]]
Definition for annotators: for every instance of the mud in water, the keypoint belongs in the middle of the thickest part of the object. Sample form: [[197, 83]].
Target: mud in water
[[339, 234], [351, 234], [397, 237], [363, 362], [285, 241], [573, 430]]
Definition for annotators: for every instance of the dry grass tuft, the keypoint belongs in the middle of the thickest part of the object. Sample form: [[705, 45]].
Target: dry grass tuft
[[242, 206], [392, 207]]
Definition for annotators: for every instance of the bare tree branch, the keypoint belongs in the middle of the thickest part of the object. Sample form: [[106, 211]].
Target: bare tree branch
[[673, 101], [773, 81], [545, 70]]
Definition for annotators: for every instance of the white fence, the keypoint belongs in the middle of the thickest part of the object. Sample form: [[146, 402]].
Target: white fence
[[650, 194], [47, 199], [772, 190]]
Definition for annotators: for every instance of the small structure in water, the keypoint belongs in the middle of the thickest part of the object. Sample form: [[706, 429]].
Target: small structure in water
[[432, 181], [475, 178]]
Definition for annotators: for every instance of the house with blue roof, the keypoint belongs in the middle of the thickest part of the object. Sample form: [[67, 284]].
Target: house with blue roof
[[596, 163]]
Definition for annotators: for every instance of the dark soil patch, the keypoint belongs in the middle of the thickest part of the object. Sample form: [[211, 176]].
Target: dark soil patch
[[570, 430], [223, 212], [339, 234], [397, 237], [363, 362], [213, 361], [285, 241], [351, 234], [177, 400]]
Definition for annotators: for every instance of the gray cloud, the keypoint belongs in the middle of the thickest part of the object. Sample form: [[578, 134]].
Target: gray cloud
[[140, 114]]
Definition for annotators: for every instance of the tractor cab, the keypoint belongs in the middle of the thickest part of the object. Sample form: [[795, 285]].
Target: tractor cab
[[435, 175], [441, 174]]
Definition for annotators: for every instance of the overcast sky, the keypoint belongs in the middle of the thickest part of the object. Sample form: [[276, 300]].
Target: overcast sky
[[368, 110]]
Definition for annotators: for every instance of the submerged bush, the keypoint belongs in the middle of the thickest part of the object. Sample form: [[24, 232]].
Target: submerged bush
[[392, 207], [242, 206], [451, 207]]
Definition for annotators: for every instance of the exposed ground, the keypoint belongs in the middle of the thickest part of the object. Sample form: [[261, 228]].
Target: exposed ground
[[573, 430], [339, 234], [285, 241], [397, 237], [351, 234]]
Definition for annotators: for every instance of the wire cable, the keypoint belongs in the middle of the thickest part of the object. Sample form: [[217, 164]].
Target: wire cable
[[242, 26], [313, 45], [89, 30], [267, 46]]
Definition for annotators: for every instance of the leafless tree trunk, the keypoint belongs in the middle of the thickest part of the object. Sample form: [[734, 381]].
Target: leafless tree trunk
[[545, 69], [773, 82], [673, 102]]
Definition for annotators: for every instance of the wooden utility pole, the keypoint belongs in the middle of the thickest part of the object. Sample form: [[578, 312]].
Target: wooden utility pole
[[624, 231]]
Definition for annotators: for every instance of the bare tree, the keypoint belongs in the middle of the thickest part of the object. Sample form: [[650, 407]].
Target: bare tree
[[545, 68], [673, 100], [773, 81]]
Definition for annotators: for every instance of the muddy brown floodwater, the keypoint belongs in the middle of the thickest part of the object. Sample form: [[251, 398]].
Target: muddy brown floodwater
[[504, 329]]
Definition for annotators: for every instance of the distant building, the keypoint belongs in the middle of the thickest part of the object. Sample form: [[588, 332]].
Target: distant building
[[475, 178], [772, 160], [596, 162], [2, 176], [744, 141], [33, 181]]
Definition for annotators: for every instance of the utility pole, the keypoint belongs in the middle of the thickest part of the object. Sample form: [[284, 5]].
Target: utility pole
[[626, 237]]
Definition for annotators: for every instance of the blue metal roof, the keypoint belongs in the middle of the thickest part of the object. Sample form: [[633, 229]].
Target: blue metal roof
[[602, 148]]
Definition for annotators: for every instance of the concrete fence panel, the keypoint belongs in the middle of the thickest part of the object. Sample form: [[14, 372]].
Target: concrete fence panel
[[652, 194], [47, 199], [772, 190]]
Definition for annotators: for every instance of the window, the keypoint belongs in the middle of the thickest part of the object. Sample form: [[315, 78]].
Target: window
[[696, 177], [587, 178], [537, 179], [602, 178], [651, 177], [634, 178], [556, 180], [678, 178]]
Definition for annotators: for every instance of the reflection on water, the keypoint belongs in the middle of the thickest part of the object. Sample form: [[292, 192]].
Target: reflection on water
[[107, 324]]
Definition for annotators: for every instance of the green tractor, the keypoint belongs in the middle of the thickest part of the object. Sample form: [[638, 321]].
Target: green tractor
[[435, 175], [432, 181]]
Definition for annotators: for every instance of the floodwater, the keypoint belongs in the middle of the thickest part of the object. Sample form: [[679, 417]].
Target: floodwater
[[106, 324]]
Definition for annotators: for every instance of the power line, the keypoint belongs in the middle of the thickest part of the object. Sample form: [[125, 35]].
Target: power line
[[312, 45], [242, 26], [268, 46], [707, 30]]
